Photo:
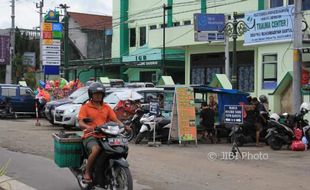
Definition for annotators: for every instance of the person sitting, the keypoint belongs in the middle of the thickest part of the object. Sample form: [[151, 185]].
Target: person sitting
[[99, 113]]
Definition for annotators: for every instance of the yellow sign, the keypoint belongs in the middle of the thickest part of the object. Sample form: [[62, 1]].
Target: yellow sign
[[48, 42], [47, 27], [51, 42]]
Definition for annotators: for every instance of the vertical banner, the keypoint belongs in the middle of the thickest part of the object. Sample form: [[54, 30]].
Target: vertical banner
[[184, 115], [4, 50]]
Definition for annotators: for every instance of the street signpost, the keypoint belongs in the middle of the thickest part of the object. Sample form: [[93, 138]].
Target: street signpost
[[233, 114], [207, 27], [51, 43]]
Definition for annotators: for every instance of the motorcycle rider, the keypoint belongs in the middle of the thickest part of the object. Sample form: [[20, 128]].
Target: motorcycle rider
[[99, 113]]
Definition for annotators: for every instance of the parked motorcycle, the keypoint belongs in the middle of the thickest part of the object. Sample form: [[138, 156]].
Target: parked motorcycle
[[149, 122], [246, 133], [133, 126], [280, 134], [111, 169]]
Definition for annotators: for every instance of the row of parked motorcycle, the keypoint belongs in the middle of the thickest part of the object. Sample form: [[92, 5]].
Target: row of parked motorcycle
[[291, 130], [142, 126]]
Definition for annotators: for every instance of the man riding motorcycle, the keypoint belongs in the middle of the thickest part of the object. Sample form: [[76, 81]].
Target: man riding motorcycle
[[99, 113]]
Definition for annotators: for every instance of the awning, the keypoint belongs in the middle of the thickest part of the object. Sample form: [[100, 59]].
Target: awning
[[285, 82], [220, 81]]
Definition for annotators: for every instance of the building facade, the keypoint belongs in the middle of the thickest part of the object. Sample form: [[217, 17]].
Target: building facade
[[90, 38], [261, 68]]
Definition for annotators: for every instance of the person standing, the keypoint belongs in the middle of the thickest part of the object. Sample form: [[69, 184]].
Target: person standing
[[207, 116]]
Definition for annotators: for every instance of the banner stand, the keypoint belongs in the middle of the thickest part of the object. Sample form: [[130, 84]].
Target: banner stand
[[183, 119]]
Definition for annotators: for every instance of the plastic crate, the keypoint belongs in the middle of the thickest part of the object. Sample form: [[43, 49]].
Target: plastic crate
[[68, 149]]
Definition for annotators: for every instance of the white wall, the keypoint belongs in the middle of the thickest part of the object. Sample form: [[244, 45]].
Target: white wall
[[78, 38]]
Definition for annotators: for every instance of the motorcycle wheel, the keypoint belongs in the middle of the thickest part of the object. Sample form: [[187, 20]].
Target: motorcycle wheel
[[140, 137], [129, 134], [83, 186], [274, 143], [123, 178]]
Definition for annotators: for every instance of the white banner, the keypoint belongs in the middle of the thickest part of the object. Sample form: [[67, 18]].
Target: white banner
[[271, 26], [50, 58], [51, 53], [51, 62], [51, 47]]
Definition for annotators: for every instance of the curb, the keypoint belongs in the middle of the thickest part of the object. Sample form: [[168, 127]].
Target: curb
[[7, 183]]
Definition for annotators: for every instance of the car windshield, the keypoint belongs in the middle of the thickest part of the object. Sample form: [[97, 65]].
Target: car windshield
[[78, 93], [81, 99], [111, 98]]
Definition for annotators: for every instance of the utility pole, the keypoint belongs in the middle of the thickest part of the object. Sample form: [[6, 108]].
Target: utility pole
[[296, 99], [163, 70], [8, 72], [40, 6], [234, 29], [66, 40], [227, 72]]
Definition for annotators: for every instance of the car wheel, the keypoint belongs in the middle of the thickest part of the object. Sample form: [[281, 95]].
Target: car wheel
[[51, 121]]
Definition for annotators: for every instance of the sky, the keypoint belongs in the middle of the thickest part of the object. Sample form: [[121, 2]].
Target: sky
[[27, 16]]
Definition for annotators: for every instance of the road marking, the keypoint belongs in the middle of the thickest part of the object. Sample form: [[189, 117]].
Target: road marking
[[8, 183]]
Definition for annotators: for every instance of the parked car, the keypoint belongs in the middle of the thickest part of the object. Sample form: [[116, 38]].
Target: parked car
[[140, 85], [66, 115], [16, 100], [50, 106]]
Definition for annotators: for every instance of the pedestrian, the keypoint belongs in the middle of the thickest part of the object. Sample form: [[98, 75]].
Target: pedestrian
[[207, 116], [212, 103], [261, 113]]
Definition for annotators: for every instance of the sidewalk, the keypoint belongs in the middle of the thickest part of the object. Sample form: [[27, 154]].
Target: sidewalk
[[7, 183]]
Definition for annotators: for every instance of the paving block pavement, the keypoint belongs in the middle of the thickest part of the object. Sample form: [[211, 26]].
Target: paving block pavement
[[7, 183]]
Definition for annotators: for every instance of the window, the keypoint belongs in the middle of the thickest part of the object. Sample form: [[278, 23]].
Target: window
[[142, 36], [9, 92], [187, 22], [132, 34], [161, 26], [270, 71], [153, 27], [25, 92], [176, 24], [276, 3], [305, 4]]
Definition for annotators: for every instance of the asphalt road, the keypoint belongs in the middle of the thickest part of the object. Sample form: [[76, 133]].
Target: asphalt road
[[171, 167]]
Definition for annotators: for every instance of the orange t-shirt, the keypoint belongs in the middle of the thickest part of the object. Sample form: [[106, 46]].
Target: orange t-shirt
[[99, 116]]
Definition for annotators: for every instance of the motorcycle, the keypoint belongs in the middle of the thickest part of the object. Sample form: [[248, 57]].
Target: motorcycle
[[149, 123], [133, 126], [111, 169], [246, 133], [280, 134]]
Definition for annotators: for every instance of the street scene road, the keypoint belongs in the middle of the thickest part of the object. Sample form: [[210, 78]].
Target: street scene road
[[166, 167]]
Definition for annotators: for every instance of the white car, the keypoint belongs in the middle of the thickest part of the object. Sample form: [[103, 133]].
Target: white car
[[66, 115]]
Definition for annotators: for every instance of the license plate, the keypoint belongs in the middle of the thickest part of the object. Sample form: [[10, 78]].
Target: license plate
[[117, 141]]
